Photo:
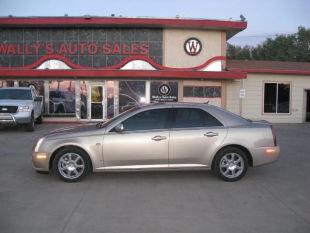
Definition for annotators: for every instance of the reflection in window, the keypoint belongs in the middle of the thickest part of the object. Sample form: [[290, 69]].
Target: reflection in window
[[110, 99], [83, 93], [202, 92], [131, 93], [6, 83], [190, 117], [151, 119], [96, 102], [37, 85], [62, 97], [277, 98]]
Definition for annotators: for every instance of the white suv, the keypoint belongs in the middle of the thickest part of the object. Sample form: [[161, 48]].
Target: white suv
[[20, 106]]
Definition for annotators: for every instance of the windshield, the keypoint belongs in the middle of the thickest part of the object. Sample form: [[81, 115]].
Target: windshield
[[105, 123], [15, 94]]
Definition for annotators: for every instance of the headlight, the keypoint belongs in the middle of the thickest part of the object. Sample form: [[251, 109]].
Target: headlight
[[24, 109], [37, 146]]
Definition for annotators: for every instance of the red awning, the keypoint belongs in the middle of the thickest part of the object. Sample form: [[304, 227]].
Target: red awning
[[118, 74]]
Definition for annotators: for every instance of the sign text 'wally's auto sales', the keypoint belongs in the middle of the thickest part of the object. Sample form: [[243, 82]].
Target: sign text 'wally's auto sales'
[[71, 48]]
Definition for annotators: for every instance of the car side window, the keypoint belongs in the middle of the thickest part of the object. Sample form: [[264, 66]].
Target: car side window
[[194, 117], [147, 120]]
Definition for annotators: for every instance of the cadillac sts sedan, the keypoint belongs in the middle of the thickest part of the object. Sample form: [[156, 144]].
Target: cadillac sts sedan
[[159, 137]]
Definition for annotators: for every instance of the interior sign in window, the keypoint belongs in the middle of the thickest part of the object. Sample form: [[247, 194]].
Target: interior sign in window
[[164, 91]]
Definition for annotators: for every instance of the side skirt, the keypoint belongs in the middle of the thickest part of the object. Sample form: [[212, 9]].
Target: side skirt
[[155, 167]]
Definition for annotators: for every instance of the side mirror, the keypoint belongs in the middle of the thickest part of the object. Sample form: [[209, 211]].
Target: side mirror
[[38, 98], [119, 128]]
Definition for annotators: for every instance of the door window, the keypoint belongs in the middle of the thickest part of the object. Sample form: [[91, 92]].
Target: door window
[[147, 120], [193, 117]]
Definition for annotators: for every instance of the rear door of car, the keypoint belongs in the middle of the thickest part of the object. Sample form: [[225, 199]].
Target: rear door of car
[[194, 136], [143, 143]]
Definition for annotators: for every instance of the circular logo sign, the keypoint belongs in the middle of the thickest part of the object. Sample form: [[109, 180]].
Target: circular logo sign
[[192, 46], [164, 89]]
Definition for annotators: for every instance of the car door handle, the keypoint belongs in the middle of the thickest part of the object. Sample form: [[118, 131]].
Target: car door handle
[[211, 134], [159, 138]]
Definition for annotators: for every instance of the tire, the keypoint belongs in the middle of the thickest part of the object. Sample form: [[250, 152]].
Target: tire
[[230, 164], [71, 164], [39, 119], [30, 125]]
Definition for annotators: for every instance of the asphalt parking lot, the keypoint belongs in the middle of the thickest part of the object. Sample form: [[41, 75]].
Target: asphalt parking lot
[[273, 198]]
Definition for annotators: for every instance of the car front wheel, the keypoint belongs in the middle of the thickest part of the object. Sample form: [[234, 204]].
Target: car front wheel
[[230, 164], [71, 164], [30, 125]]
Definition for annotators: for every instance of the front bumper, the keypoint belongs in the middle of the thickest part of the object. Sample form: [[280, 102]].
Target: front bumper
[[265, 155], [15, 119], [40, 161]]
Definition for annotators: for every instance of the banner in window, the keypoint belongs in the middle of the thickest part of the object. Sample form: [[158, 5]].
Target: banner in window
[[164, 91]]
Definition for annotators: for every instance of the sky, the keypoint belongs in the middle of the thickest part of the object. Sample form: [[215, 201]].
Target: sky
[[266, 18]]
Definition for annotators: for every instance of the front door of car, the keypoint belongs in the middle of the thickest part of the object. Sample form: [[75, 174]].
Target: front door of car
[[194, 136], [142, 143], [36, 104]]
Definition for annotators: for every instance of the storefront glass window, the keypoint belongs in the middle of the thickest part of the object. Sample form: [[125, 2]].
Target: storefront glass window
[[83, 94], [110, 99], [131, 93], [6, 83], [202, 92], [62, 98], [277, 98], [37, 85]]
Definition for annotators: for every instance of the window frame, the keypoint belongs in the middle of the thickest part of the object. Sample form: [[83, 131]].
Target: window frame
[[277, 88]]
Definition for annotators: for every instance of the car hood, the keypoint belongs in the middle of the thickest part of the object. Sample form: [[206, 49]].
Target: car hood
[[75, 131], [10, 102]]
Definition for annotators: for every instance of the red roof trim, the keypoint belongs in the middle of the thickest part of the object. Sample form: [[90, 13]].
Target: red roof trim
[[116, 67], [272, 71], [124, 22], [114, 74]]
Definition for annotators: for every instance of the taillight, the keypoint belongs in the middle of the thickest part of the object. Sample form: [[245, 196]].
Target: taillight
[[273, 135]]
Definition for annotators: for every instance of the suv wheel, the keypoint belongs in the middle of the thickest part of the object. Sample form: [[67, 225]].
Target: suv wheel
[[230, 164], [30, 125], [71, 164]]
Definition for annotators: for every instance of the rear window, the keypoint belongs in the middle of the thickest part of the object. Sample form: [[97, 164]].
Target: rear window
[[193, 117], [15, 94]]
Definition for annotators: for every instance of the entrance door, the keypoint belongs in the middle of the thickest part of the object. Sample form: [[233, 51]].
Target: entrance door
[[97, 103]]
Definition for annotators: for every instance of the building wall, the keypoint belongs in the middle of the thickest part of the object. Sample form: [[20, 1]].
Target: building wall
[[252, 105], [173, 45]]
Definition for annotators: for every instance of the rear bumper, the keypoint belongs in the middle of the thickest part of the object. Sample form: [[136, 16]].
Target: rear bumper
[[265, 155]]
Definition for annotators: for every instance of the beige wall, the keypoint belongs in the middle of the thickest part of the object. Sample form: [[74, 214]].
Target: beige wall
[[252, 105], [174, 54]]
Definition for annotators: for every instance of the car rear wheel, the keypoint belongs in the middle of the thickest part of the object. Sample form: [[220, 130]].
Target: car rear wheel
[[71, 164], [230, 164]]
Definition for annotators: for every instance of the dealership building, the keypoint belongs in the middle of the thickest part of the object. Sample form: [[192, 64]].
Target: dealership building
[[93, 68]]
